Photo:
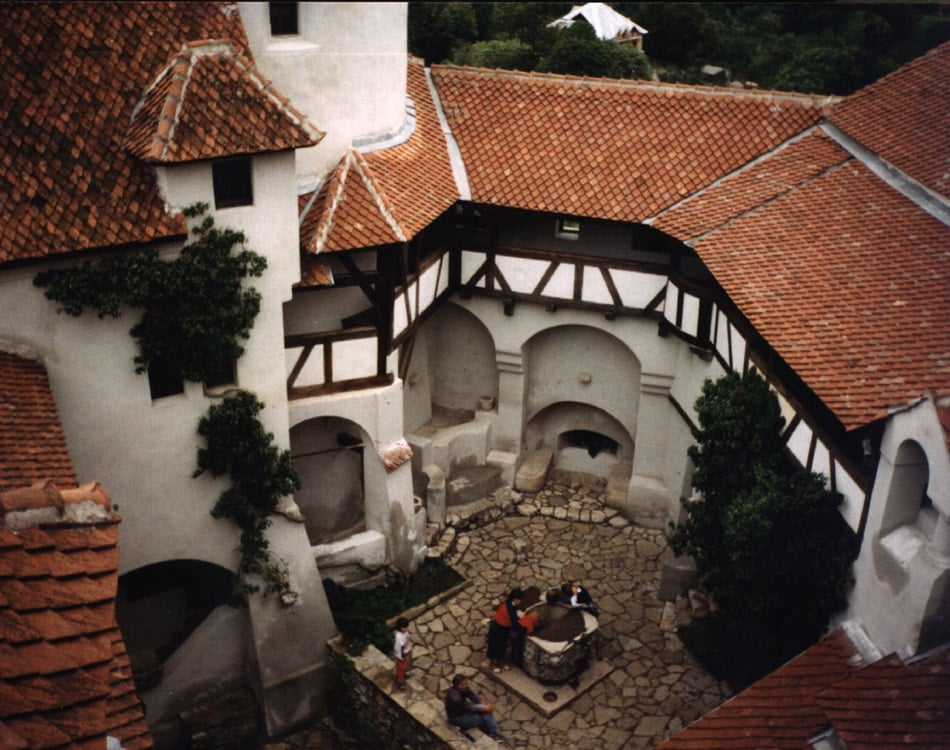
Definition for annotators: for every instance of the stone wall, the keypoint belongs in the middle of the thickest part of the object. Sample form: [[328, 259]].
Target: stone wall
[[363, 701]]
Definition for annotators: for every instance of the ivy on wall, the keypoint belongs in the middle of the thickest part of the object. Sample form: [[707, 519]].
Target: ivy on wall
[[195, 313], [195, 309], [238, 446]]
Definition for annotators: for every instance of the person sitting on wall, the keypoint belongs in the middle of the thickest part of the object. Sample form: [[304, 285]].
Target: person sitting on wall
[[467, 710]]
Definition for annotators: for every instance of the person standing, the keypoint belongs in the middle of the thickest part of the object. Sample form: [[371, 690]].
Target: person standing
[[501, 628], [466, 710], [402, 648]]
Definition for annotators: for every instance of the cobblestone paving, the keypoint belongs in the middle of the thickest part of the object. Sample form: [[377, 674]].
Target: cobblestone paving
[[656, 687]]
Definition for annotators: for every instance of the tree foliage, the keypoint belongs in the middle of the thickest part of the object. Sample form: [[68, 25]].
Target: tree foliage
[[579, 52], [826, 48], [769, 543]]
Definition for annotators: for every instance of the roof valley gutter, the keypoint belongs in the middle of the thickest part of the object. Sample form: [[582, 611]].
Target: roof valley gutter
[[927, 200], [455, 154]]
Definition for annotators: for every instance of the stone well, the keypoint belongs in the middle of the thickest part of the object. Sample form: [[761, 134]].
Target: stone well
[[559, 648]]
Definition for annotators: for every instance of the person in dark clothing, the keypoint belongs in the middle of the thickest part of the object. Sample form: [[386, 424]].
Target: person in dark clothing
[[502, 627], [466, 710], [577, 597]]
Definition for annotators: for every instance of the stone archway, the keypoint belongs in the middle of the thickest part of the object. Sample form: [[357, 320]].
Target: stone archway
[[578, 376], [583, 438], [330, 455]]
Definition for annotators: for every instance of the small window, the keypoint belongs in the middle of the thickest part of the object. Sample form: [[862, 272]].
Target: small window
[[568, 229], [221, 377], [164, 380], [283, 19], [232, 182]]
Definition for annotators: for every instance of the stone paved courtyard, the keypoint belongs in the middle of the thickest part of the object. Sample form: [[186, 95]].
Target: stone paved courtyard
[[656, 688]]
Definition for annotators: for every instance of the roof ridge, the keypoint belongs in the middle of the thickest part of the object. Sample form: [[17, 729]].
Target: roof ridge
[[181, 69], [379, 195], [626, 83], [44, 503], [335, 184]]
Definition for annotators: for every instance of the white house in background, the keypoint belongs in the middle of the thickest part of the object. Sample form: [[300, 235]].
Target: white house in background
[[466, 269], [607, 23]]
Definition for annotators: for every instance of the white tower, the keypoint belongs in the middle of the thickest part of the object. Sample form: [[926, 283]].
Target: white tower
[[341, 64]]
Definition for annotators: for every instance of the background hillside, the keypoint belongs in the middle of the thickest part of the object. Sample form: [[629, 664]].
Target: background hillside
[[828, 48]]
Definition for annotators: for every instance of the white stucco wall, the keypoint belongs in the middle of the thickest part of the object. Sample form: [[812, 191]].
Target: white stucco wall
[[144, 452], [899, 569], [346, 71]]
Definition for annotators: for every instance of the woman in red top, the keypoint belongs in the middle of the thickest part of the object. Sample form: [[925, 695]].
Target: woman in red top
[[499, 630]]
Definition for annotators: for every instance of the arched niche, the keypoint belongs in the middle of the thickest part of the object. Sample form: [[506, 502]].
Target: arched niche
[[907, 501], [332, 456], [577, 364], [584, 438], [450, 365], [158, 606]]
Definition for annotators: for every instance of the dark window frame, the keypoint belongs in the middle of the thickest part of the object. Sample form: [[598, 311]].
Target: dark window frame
[[232, 179], [284, 19]]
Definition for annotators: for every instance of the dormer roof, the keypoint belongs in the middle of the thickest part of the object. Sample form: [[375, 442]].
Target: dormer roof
[[212, 101], [384, 195], [71, 78]]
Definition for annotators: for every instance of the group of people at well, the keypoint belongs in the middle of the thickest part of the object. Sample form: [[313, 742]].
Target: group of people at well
[[512, 621]]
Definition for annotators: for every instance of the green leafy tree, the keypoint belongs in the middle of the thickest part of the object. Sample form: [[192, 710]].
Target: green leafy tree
[[579, 52], [435, 29], [769, 543], [504, 54]]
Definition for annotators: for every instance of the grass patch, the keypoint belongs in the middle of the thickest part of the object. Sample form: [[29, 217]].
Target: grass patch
[[361, 615]]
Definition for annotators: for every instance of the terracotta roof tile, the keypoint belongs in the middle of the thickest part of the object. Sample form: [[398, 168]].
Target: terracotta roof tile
[[847, 280], [68, 183], [602, 148], [903, 118], [789, 167], [65, 678], [212, 101], [892, 704], [383, 196], [779, 711], [32, 442]]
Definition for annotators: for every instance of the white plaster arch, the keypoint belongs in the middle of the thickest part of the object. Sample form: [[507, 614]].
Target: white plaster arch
[[582, 364]]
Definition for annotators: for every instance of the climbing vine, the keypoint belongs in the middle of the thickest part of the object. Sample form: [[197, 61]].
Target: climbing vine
[[195, 312], [237, 445], [195, 309]]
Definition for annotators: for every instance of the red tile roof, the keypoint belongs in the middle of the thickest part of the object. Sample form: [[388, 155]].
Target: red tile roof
[[607, 149], [387, 195], [780, 710], [71, 75], [211, 101], [65, 678], [886, 704], [903, 118], [789, 167], [845, 278], [892, 704], [32, 442]]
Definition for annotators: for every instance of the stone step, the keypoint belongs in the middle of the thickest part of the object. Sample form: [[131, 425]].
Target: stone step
[[472, 483]]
